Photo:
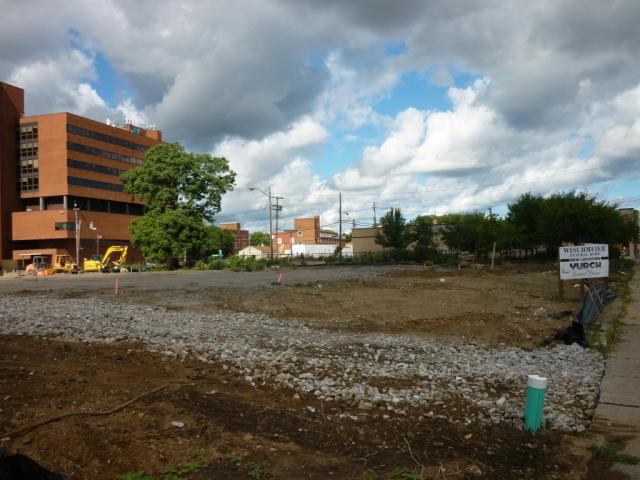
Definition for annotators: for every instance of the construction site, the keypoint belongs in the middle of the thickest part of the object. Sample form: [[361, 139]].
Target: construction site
[[345, 372]]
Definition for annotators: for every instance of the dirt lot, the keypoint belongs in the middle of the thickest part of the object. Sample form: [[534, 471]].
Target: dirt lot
[[235, 431], [494, 308]]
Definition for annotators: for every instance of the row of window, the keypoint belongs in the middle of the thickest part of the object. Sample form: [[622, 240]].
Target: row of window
[[30, 151], [107, 206], [65, 225], [28, 131], [105, 138], [98, 152], [85, 182], [92, 167], [28, 166], [29, 184]]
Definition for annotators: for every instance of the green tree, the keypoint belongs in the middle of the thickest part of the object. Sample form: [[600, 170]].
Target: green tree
[[258, 239], [461, 231], [393, 231], [420, 231], [182, 191], [578, 218], [525, 216], [219, 239], [168, 235]]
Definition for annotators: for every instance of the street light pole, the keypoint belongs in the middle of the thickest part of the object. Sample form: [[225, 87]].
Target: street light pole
[[77, 224], [98, 237], [269, 208]]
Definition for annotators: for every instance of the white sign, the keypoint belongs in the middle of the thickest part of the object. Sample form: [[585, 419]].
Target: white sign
[[584, 261]]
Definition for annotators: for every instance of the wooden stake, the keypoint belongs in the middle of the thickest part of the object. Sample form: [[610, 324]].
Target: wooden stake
[[560, 288], [493, 254]]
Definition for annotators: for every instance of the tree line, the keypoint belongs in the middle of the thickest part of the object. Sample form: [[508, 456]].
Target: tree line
[[533, 225], [183, 192]]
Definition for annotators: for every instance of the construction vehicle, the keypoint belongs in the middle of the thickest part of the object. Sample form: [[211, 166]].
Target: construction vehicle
[[38, 264], [63, 264], [112, 261]]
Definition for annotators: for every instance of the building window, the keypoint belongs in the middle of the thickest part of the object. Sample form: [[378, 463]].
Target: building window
[[107, 206], [300, 233], [28, 165], [92, 167], [98, 152], [107, 138], [85, 182], [28, 132], [65, 225], [119, 207], [136, 209]]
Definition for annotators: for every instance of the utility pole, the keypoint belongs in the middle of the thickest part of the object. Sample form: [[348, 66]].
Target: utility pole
[[270, 226], [375, 220], [269, 209], [340, 215], [77, 223], [277, 208]]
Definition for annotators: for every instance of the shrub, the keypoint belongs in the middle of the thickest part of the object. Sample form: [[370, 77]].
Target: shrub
[[217, 264], [201, 265]]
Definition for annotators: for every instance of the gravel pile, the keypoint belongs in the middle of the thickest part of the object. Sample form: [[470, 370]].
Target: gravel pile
[[384, 375]]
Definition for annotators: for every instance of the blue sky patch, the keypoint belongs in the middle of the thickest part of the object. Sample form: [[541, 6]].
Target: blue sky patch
[[109, 85]]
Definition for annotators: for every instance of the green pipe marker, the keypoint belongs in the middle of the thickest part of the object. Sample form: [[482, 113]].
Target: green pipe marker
[[534, 404]]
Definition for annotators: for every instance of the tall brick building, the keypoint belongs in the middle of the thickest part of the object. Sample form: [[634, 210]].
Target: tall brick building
[[241, 237], [50, 164]]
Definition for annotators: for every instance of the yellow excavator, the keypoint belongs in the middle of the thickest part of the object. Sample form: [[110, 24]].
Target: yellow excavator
[[112, 261]]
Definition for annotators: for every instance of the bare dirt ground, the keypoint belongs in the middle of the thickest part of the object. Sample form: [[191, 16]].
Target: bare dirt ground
[[237, 431], [242, 432], [494, 308]]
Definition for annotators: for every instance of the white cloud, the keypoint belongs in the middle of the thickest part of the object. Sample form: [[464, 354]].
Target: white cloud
[[58, 84], [257, 160], [269, 88]]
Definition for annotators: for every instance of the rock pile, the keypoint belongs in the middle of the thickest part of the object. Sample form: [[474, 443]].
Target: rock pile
[[383, 374]]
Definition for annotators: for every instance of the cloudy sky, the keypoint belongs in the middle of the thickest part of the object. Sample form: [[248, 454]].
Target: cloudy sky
[[430, 106]]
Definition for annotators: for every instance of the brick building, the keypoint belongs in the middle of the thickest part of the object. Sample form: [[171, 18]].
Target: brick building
[[50, 164], [307, 231], [241, 236]]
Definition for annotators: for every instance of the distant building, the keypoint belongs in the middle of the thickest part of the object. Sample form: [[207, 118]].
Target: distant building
[[49, 164], [306, 231], [241, 236], [364, 239], [257, 252]]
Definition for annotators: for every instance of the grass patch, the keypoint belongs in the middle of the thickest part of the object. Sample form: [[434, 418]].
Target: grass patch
[[403, 473], [604, 341], [256, 471], [174, 472], [608, 453], [135, 476]]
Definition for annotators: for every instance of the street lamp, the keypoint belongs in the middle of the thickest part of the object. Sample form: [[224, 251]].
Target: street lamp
[[270, 221], [98, 237], [78, 222]]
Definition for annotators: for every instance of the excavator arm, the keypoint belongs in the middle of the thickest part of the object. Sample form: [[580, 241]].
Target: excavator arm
[[117, 255]]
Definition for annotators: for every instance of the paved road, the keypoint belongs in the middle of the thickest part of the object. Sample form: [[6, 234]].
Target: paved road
[[188, 278], [618, 413]]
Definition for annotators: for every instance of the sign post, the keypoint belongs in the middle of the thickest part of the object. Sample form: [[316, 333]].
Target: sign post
[[582, 261]]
